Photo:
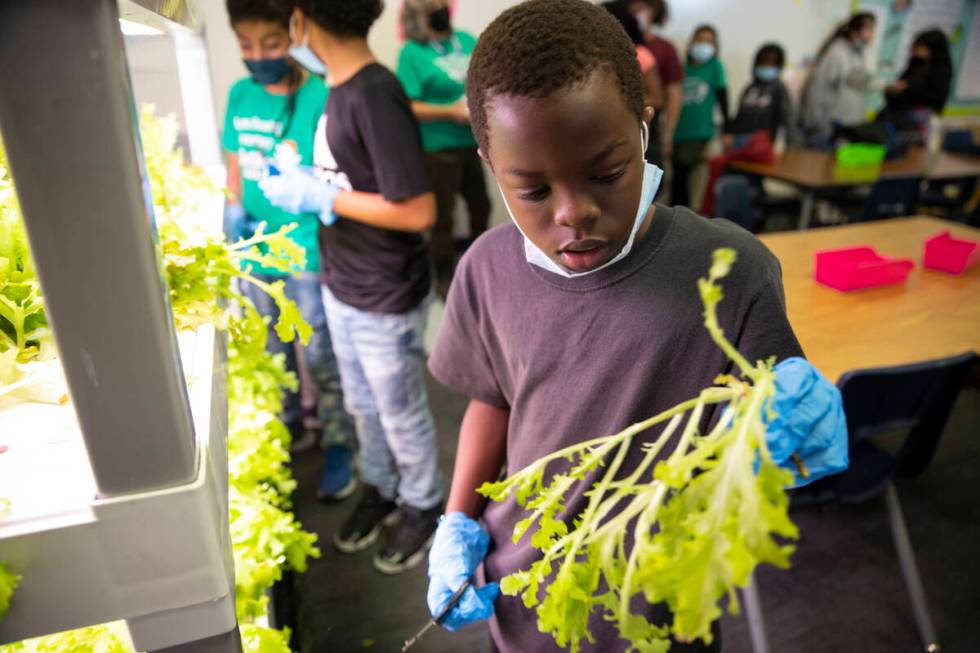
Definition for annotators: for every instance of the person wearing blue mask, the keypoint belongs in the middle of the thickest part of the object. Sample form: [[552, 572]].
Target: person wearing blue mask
[[836, 93], [270, 123], [705, 86], [765, 104], [582, 316], [374, 198]]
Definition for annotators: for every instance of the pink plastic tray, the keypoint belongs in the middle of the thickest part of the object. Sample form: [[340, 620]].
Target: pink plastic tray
[[948, 254], [854, 268]]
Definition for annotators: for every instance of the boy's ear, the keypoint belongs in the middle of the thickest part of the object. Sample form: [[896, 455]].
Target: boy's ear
[[485, 158], [297, 26], [648, 114]]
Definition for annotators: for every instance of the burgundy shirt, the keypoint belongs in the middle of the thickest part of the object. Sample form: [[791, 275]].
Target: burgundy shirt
[[668, 64], [573, 359]]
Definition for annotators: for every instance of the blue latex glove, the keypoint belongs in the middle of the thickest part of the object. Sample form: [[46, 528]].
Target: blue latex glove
[[809, 421], [236, 222], [460, 545], [296, 190]]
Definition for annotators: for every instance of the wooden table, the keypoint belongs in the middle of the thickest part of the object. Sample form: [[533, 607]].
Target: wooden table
[[932, 315], [815, 170]]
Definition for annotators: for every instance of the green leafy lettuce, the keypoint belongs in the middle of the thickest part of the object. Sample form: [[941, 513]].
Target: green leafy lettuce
[[23, 322], [700, 519], [203, 274]]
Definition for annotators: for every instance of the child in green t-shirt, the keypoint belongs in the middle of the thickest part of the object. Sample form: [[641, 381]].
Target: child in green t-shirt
[[704, 85], [270, 122]]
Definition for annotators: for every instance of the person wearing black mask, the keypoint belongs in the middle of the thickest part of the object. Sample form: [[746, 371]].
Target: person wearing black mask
[[432, 67], [923, 88]]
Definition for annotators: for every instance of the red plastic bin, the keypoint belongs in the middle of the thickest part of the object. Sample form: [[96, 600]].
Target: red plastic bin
[[854, 268], [948, 254]]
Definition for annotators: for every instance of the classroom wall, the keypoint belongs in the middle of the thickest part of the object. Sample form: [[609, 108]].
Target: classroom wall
[[799, 25]]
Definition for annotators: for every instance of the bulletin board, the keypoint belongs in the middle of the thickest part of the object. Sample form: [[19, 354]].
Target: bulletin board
[[898, 23]]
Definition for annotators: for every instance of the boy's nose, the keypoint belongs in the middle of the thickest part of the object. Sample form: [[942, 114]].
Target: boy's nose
[[576, 210]]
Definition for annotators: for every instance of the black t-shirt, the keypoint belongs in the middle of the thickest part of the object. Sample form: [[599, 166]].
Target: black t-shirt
[[763, 105], [372, 144]]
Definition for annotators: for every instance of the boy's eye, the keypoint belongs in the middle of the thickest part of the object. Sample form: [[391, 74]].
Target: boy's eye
[[534, 195], [611, 178]]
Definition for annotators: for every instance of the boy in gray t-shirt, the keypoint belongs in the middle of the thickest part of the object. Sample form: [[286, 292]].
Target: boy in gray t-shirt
[[583, 316]]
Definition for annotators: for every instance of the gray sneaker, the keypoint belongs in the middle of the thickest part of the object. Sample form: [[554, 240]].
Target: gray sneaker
[[407, 540], [363, 527]]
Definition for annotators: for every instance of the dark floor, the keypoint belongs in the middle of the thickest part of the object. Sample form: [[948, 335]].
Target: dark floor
[[844, 593]]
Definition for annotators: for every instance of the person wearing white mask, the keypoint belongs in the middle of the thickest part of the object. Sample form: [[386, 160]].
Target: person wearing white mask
[[582, 315], [835, 95], [372, 194], [705, 86], [270, 124]]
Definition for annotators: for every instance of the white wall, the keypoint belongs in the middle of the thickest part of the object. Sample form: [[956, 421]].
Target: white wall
[[743, 25]]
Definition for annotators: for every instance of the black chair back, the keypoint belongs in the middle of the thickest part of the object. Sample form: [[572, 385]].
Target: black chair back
[[917, 397]]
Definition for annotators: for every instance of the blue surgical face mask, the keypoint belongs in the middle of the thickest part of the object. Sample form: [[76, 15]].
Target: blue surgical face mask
[[766, 73], [304, 55], [267, 71], [702, 52], [651, 182]]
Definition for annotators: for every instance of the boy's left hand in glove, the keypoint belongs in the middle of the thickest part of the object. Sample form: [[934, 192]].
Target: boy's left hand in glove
[[809, 422], [296, 190]]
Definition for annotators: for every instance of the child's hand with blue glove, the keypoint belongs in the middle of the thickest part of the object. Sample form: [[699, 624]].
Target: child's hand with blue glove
[[237, 223], [809, 422], [296, 190], [460, 545]]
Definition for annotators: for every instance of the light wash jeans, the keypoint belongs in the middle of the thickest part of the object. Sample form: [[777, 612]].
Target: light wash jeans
[[338, 426], [381, 358]]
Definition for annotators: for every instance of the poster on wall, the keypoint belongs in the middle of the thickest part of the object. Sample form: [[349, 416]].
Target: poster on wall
[[900, 21], [968, 85]]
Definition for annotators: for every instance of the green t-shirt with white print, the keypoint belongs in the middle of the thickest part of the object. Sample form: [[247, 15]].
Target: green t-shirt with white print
[[261, 131], [435, 73]]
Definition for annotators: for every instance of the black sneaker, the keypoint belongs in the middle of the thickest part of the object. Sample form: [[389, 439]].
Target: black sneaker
[[362, 528], [407, 540]]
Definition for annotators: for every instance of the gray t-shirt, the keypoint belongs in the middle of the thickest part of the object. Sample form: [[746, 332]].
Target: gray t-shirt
[[573, 359]]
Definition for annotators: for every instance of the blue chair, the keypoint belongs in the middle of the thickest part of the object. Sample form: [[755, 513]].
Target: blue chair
[[916, 399]]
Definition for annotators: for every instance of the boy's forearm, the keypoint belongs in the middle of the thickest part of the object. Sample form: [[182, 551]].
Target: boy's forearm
[[414, 215], [426, 112], [673, 110], [234, 180], [479, 457]]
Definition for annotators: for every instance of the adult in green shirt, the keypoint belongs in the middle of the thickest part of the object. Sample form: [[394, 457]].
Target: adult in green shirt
[[432, 68], [270, 124], [704, 86]]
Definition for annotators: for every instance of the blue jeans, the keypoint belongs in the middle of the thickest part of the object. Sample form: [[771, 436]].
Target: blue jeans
[[381, 358], [338, 426]]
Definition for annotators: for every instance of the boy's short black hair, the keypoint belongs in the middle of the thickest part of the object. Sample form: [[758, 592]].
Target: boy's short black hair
[[343, 18], [270, 11], [541, 47], [771, 49]]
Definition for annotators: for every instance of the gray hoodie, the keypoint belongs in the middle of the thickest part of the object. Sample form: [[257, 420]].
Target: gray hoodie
[[836, 91]]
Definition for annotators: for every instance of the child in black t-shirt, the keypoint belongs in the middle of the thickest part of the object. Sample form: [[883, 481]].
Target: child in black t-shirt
[[583, 315], [764, 104], [374, 200]]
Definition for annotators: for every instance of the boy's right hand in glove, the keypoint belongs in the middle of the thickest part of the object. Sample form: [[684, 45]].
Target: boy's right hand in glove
[[236, 222], [460, 545]]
